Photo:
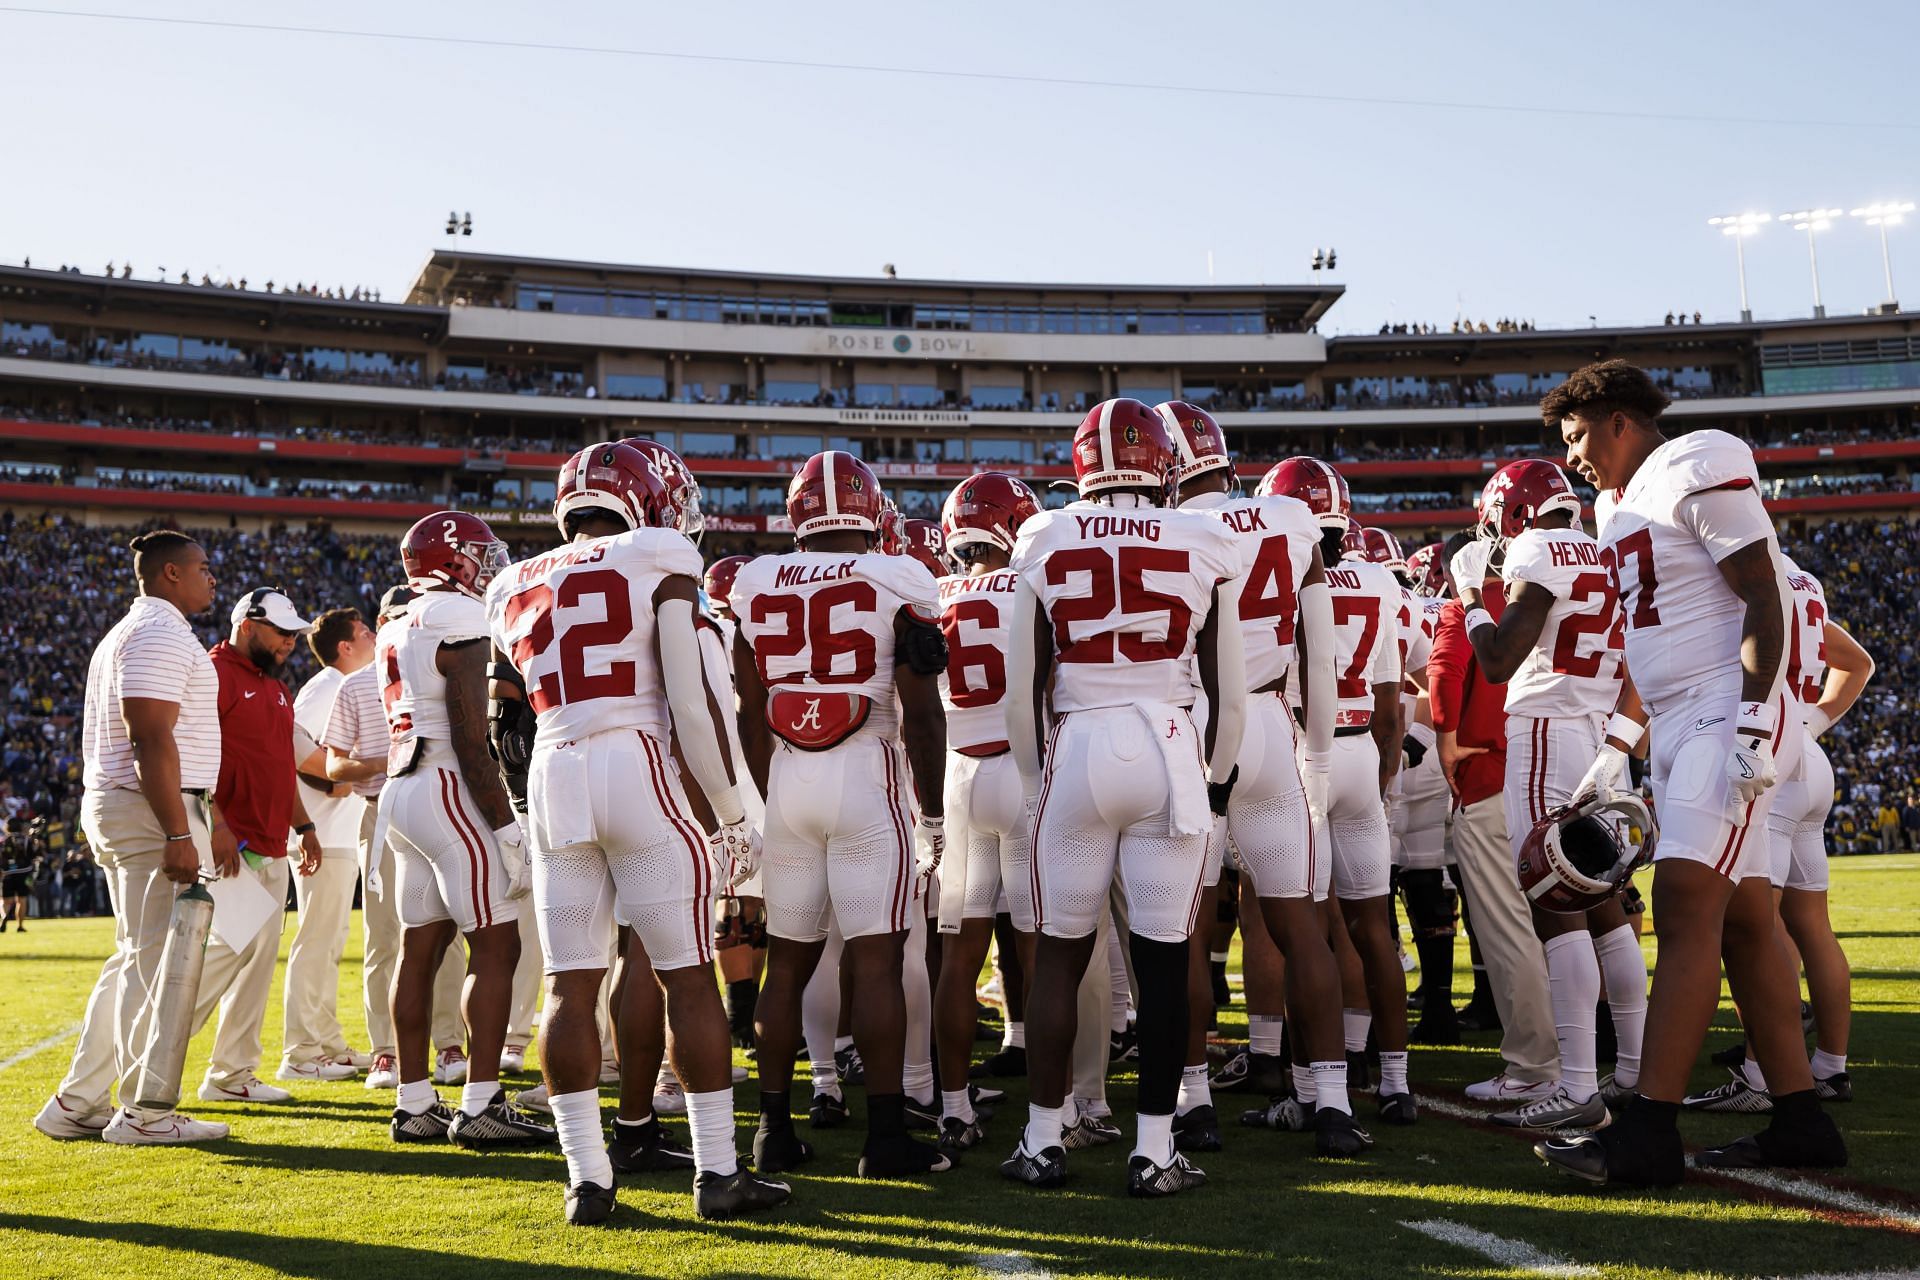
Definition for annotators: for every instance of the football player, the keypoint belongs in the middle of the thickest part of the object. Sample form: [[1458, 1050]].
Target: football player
[[460, 856], [601, 633], [1700, 578], [1118, 599], [1286, 620], [829, 635], [1557, 646], [742, 915]]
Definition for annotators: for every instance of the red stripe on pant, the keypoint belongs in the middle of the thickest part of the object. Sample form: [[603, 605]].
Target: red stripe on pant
[[702, 885], [902, 891], [1033, 842], [476, 849]]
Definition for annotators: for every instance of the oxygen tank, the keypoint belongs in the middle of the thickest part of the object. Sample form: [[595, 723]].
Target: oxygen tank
[[177, 990]]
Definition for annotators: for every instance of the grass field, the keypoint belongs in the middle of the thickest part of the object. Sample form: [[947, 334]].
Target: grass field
[[314, 1188]]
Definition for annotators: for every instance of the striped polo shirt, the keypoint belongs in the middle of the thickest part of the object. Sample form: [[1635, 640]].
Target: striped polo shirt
[[358, 724], [151, 653]]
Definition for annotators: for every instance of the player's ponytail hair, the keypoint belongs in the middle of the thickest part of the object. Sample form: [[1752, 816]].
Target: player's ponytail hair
[[154, 551]]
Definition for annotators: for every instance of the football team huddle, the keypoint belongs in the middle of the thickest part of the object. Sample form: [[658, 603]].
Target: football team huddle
[[861, 754]]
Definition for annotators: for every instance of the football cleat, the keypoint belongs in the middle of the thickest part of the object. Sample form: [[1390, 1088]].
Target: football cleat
[[1009, 1063], [1814, 1143], [1398, 1108], [827, 1111], [898, 1156], [669, 1099], [1503, 1088], [1834, 1088], [852, 1069], [451, 1066], [1046, 1168], [1259, 1073], [385, 1072], [1613, 1093], [513, 1057], [502, 1126], [1618, 1155], [534, 1099], [728, 1195], [984, 1099], [1557, 1110], [1287, 1114], [1123, 1046], [1148, 1180], [1735, 1095], [1197, 1130], [589, 1204], [1089, 1131], [1335, 1133], [58, 1120], [1231, 1073], [424, 1126], [922, 1115], [957, 1135], [1730, 1057], [646, 1148], [775, 1150]]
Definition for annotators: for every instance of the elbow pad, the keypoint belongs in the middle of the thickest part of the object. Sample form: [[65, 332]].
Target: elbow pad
[[511, 725], [924, 647]]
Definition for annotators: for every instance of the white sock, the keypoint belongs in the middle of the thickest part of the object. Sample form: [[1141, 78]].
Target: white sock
[[916, 1081], [476, 1094], [1573, 979], [826, 1079], [1303, 1083], [1155, 1140], [1354, 1024], [710, 1119], [576, 1117], [1263, 1034], [1015, 1037], [1828, 1065], [1043, 1128], [1097, 1108], [842, 1042], [1625, 968], [1330, 1086], [1194, 1090], [1751, 1070], [1218, 957], [957, 1106], [1069, 1113], [416, 1096], [1393, 1072]]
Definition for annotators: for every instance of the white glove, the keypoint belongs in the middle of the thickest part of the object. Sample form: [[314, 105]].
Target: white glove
[[734, 852], [1316, 775], [513, 856], [1469, 566], [1750, 771], [1602, 780], [930, 841]]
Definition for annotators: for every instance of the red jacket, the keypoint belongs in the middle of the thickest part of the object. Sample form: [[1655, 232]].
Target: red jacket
[[255, 790], [1463, 701]]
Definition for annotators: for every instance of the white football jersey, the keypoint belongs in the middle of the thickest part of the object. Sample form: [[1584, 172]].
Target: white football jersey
[[412, 689], [578, 624], [1366, 636], [819, 620], [1683, 620], [975, 613], [1807, 638], [1278, 535], [1416, 631], [1127, 590], [1574, 668]]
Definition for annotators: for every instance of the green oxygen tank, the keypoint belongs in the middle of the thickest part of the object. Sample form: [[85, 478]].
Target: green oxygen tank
[[176, 991]]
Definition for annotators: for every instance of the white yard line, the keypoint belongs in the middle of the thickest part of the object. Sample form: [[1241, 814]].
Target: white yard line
[[1441, 1107], [42, 1047], [1010, 1264], [1855, 1275], [1517, 1254], [1820, 1194]]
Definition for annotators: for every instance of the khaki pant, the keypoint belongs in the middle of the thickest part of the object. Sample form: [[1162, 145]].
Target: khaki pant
[[312, 1012], [526, 981], [128, 841], [1503, 926], [239, 982], [380, 923]]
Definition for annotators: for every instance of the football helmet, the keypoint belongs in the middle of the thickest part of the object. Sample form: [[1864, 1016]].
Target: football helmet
[[395, 600], [834, 490], [923, 540], [719, 581], [1353, 543], [618, 479], [452, 549], [1428, 570], [986, 510], [1578, 856], [1384, 548], [683, 491], [1517, 495], [1202, 445], [1122, 444], [1313, 482]]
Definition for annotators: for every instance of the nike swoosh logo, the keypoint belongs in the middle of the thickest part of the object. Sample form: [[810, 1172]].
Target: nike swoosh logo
[[249, 695], [1697, 724]]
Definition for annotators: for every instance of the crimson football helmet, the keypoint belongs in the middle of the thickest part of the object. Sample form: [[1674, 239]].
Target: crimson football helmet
[[834, 490], [1383, 548], [1578, 856], [719, 580], [1353, 543], [1122, 444], [986, 510], [683, 491], [618, 479], [1313, 482], [1428, 570], [923, 540], [452, 549], [1517, 495], [1202, 445]]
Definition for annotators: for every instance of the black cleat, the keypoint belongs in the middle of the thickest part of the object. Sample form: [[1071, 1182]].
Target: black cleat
[[427, 1126], [775, 1150], [1010, 1063], [1398, 1108], [1837, 1087], [1622, 1154], [1435, 1028], [1812, 1142], [1047, 1168], [1089, 1131], [589, 1204], [1287, 1114], [501, 1127], [1335, 1133], [1358, 1078], [827, 1112], [1479, 1015], [922, 1115], [728, 1195], [957, 1135], [1123, 1046], [985, 1099], [1732, 1056], [852, 1068], [1197, 1130], [646, 1148], [898, 1156], [1148, 1180]]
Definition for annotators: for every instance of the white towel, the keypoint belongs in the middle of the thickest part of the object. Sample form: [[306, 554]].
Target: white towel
[[559, 777], [1172, 728]]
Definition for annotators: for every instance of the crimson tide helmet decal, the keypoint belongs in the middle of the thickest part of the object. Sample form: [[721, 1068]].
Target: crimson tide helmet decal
[[1201, 443], [1122, 444], [834, 490]]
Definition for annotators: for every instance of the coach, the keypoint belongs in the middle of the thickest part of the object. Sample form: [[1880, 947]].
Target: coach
[[150, 740], [259, 797], [1470, 719]]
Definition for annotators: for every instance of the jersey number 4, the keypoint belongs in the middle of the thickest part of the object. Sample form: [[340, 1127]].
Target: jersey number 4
[[1117, 581]]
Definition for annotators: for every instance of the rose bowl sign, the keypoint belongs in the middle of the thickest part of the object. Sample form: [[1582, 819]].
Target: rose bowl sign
[[855, 343]]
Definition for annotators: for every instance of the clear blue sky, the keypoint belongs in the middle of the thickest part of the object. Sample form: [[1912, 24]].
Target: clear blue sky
[[304, 156]]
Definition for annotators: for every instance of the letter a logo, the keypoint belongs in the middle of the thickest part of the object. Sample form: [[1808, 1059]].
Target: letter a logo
[[811, 719]]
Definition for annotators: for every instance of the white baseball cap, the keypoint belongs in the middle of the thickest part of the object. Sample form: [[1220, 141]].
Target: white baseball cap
[[264, 604]]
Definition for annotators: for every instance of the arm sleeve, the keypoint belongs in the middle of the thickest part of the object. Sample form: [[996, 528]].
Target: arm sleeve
[[1023, 734], [1230, 662], [1316, 623], [1447, 668], [1386, 656], [1725, 519], [681, 671]]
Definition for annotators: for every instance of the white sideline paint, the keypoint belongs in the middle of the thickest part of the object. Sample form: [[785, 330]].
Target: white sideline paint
[[42, 1047], [1011, 1264], [1821, 1194], [1517, 1254], [1441, 1107]]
